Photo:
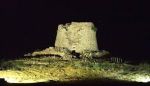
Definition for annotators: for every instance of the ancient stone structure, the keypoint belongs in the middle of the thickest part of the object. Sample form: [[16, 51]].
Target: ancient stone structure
[[74, 40], [78, 36]]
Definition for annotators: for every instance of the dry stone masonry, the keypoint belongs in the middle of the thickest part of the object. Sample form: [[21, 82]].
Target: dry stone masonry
[[78, 36], [75, 39]]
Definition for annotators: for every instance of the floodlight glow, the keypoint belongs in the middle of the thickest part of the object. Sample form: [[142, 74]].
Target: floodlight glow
[[12, 77], [13, 80], [144, 79]]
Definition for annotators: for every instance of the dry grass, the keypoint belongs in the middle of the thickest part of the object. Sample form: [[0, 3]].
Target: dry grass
[[57, 69]]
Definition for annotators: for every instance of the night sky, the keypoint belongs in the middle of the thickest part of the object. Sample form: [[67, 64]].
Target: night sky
[[123, 25]]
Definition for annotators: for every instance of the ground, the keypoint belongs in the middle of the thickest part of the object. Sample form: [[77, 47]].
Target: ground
[[43, 69]]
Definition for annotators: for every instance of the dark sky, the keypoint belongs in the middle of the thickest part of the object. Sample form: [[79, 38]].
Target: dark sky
[[123, 25]]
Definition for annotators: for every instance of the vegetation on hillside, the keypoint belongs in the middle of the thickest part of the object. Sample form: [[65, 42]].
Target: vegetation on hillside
[[57, 69]]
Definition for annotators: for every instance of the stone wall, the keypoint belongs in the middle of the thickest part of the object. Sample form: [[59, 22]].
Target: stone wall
[[78, 36]]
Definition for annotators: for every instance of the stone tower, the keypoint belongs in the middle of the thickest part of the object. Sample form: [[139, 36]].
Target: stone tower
[[78, 36]]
